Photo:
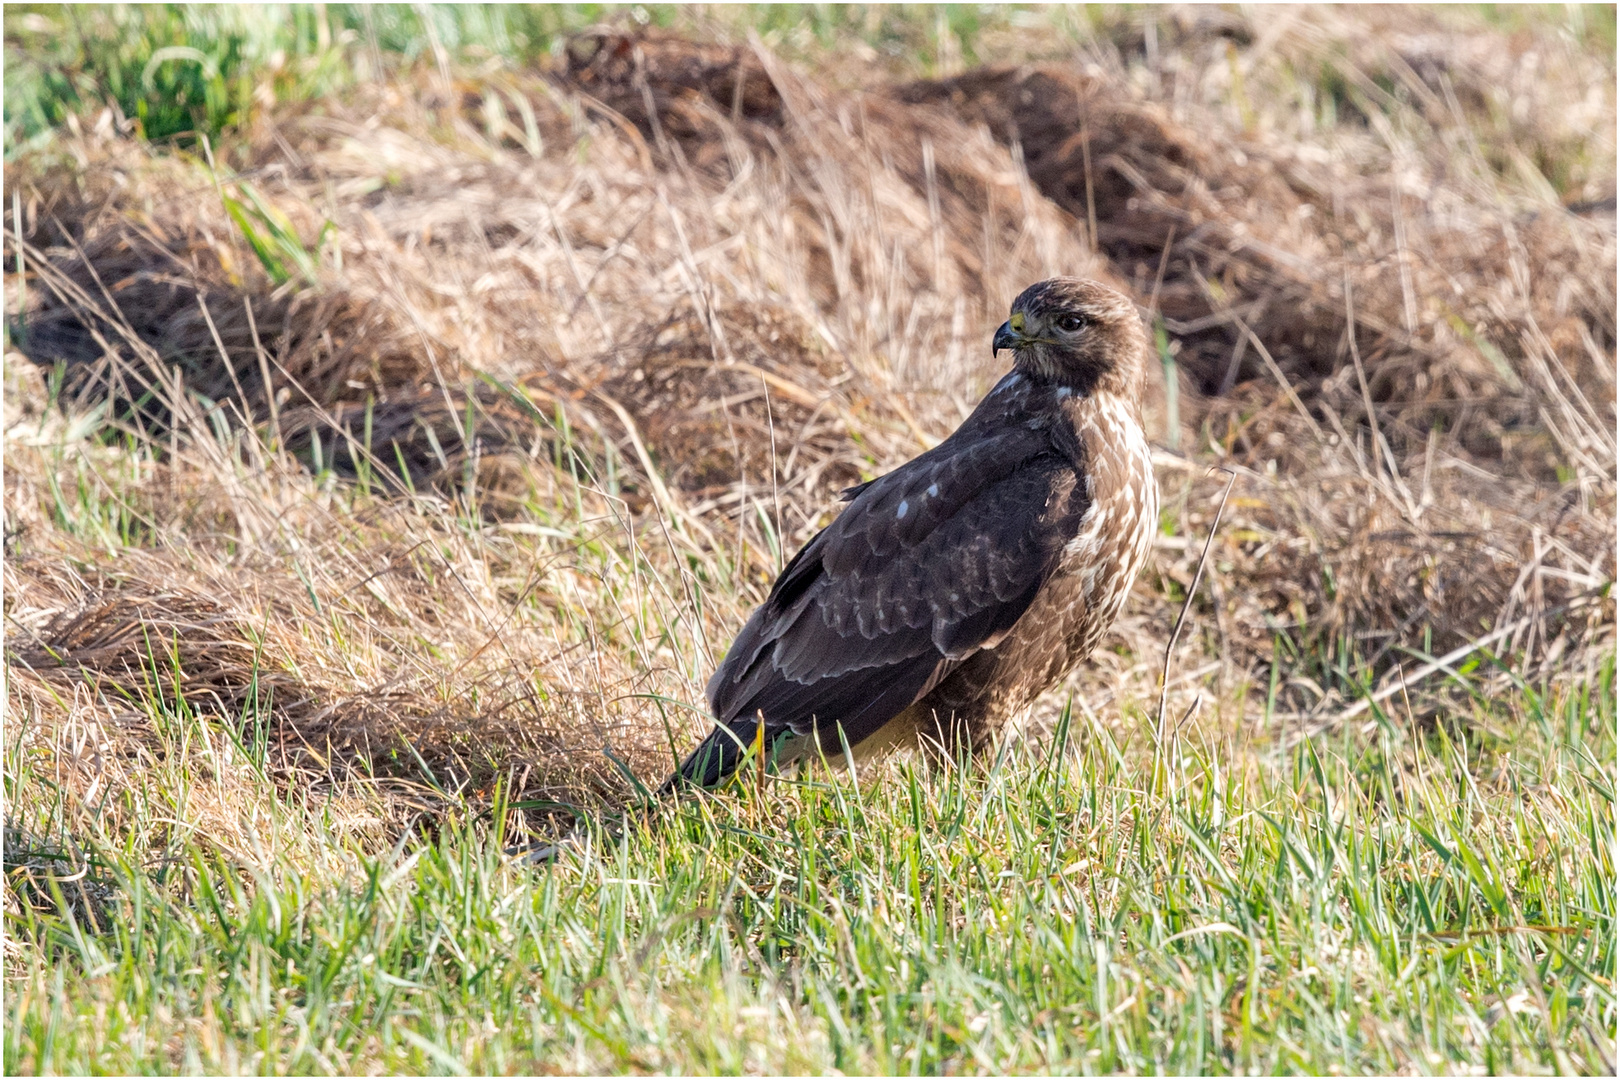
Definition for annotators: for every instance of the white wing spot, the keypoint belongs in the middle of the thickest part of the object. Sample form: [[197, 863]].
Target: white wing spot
[[933, 489], [1064, 391], [901, 511]]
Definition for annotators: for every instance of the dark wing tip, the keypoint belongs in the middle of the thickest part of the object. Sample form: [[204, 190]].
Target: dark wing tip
[[714, 759], [849, 493]]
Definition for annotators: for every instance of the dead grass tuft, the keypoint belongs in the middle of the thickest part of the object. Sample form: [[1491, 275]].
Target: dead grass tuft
[[137, 655], [581, 343], [717, 420]]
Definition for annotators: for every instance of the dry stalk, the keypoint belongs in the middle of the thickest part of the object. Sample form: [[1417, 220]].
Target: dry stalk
[[1186, 605]]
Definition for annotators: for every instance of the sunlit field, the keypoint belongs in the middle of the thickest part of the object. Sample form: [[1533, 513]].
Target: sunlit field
[[405, 406]]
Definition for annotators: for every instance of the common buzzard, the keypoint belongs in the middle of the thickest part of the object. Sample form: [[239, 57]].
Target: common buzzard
[[951, 592]]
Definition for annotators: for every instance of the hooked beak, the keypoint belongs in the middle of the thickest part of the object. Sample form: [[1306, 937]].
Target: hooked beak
[[1007, 338]]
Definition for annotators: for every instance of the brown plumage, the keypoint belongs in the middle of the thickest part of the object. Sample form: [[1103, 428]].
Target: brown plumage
[[951, 592]]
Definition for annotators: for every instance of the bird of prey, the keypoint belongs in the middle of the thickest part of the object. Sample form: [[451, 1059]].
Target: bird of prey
[[949, 593]]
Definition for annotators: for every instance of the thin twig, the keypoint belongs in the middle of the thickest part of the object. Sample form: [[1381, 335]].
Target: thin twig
[[776, 490], [1186, 605], [1265, 354], [1164, 262], [1091, 201], [1383, 457]]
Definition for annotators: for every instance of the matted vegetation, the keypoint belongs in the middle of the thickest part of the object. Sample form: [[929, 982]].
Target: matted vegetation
[[392, 446]]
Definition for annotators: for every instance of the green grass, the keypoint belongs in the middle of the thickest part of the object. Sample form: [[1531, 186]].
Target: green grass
[[1403, 901], [1418, 895], [179, 70]]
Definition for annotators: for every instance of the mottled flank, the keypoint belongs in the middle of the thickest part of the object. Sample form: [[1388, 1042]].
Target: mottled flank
[[951, 592]]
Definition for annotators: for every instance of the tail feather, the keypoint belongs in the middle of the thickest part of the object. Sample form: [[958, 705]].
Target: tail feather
[[717, 757]]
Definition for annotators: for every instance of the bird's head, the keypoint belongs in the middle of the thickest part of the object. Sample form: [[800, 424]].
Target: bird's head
[[1079, 333]]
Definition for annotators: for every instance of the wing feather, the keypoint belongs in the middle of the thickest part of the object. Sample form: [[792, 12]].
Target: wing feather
[[925, 566]]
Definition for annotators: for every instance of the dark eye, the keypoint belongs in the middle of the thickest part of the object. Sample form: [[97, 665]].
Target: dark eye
[[1070, 323]]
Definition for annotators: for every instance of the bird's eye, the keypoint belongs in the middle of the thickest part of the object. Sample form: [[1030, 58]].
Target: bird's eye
[[1070, 323]]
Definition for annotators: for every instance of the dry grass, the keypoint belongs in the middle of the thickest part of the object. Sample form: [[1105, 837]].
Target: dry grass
[[332, 563], [587, 351]]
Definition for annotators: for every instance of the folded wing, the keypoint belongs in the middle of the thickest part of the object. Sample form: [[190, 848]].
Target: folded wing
[[927, 565]]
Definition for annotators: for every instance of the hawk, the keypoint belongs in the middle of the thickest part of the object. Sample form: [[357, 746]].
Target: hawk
[[949, 593]]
